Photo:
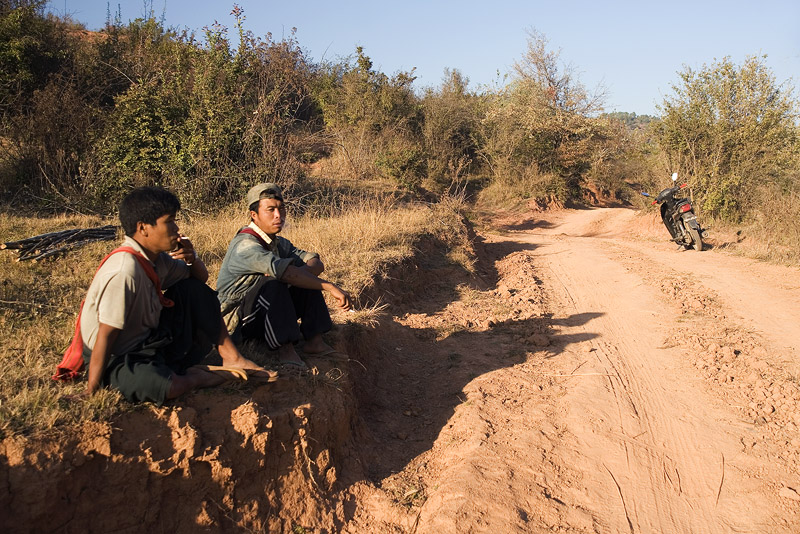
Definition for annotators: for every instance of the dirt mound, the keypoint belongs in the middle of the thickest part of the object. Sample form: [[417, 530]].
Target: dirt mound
[[266, 459]]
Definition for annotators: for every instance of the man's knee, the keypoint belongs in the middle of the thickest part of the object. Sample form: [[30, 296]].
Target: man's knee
[[141, 380], [272, 289], [194, 292]]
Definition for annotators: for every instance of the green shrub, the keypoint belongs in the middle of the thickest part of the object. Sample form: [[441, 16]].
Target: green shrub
[[729, 129]]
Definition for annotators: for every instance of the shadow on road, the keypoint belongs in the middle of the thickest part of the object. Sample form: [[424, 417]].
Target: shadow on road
[[410, 389]]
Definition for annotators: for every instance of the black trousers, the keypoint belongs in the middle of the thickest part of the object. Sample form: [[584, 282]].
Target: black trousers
[[272, 308], [185, 335]]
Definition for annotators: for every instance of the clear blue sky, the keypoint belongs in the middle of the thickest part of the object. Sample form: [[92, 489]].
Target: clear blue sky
[[633, 48]]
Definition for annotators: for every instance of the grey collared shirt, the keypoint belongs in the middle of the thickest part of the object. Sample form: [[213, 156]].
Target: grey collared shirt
[[122, 296], [246, 261]]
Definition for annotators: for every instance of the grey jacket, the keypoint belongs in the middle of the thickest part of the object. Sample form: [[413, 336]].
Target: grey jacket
[[246, 261]]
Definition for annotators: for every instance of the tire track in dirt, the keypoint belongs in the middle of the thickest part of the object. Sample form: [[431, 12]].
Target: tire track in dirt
[[759, 296], [663, 481], [668, 457], [580, 405]]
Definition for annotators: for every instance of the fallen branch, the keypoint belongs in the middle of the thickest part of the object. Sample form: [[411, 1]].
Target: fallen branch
[[65, 248], [53, 243], [29, 241]]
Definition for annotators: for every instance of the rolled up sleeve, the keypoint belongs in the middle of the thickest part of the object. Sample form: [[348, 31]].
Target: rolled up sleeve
[[288, 250]]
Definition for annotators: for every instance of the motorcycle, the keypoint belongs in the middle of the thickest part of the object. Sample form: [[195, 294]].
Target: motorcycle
[[679, 218]]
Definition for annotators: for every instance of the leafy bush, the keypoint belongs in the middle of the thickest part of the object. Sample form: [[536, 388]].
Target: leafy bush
[[372, 120], [449, 132], [731, 129], [542, 119]]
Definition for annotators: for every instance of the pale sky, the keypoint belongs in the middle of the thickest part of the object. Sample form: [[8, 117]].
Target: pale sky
[[633, 48]]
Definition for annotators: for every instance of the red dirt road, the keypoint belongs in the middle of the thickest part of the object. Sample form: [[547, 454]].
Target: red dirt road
[[601, 380]]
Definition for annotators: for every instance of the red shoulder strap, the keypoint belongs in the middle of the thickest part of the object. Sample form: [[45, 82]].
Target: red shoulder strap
[[72, 363], [248, 230], [148, 269]]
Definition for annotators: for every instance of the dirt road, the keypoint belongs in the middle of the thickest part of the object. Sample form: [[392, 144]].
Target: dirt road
[[597, 379]]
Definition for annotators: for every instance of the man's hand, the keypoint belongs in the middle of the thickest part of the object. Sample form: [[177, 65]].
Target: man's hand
[[342, 297], [302, 277], [187, 253]]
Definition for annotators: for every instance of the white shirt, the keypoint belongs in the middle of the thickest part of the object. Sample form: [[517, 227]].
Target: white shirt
[[122, 296]]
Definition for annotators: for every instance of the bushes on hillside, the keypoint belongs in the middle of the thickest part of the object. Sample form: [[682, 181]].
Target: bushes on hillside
[[450, 132], [542, 128], [206, 117], [372, 120], [85, 116], [139, 103]]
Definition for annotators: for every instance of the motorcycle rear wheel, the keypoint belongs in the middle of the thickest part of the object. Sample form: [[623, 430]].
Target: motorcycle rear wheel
[[697, 241]]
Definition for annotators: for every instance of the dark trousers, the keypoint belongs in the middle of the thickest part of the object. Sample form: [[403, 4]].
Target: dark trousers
[[185, 335], [272, 308]]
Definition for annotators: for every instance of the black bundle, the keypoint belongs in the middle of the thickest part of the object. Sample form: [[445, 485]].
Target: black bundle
[[44, 246]]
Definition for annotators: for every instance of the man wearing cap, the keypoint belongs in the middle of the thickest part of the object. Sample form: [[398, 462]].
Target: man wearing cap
[[266, 284]]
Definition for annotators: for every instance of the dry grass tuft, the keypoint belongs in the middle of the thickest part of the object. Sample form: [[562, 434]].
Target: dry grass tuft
[[775, 232], [770, 233], [514, 190], [358, 241]]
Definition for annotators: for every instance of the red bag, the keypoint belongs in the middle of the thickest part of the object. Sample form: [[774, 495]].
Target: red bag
[[72, 363]]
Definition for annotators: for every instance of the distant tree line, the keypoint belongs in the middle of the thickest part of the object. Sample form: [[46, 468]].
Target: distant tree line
[[84, 116]]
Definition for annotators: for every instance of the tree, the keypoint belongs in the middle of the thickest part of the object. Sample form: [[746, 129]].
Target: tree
[[450, 121], [730, 128], [32, 48], [541, 127], [375, 120]]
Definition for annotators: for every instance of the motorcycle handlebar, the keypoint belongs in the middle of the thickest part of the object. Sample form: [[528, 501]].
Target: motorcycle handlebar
[[656, 201], [648, 195]]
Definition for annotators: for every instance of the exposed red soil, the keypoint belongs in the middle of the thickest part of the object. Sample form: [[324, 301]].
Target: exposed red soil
[[588, 377]]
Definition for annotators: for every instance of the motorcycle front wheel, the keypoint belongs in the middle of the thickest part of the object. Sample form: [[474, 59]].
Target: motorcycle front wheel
[[697, 241]]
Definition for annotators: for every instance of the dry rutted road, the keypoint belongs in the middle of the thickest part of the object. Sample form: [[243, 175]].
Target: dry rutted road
[[645, 389], [663, 444]]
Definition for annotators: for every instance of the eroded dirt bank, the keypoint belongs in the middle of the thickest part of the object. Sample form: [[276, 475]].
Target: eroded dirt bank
[[588, 377], [264, 459]]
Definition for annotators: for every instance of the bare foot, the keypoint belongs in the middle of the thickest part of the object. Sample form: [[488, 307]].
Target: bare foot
[[316, 345], [288, 356], [195, 378], [231, 357]]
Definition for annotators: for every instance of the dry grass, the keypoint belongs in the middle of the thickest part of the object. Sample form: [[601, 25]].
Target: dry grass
[[514, 189], [39, 302], [770, 233], [355, 240], [774, 234], [38, 306]]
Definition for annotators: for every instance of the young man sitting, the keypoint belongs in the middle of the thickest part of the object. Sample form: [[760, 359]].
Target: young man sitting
[[144, 343], [266, 284]]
